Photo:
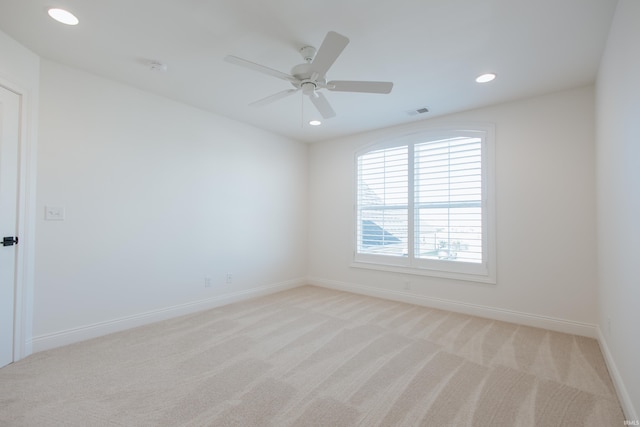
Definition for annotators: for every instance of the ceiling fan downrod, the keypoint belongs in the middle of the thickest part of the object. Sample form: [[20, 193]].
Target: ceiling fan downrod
[[308, 53]]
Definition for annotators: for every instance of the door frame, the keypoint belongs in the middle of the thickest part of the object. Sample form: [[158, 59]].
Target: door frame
[[25, 250]]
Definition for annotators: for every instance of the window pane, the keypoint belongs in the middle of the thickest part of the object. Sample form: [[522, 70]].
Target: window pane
[[454, 234], [382, 202], [383, 231]]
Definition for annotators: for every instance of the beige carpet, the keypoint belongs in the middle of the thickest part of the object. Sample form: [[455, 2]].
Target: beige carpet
[[316, 357]]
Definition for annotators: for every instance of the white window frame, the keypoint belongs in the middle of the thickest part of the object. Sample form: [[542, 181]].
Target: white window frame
[[484, 271]]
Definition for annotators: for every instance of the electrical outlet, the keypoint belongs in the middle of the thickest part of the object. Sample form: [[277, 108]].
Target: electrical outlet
[[207, 282], [229, 278]]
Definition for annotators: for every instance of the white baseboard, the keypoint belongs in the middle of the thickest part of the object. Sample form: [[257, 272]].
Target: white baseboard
[[630, 412], [70, 336], [528, 319]]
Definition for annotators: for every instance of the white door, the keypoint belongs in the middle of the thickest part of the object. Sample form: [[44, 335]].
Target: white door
[[9, 134]]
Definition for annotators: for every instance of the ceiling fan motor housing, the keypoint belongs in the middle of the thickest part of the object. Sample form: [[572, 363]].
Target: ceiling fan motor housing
[[305, 74], [302, 71]]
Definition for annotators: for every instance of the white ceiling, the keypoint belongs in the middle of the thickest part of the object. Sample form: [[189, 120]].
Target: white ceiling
[[431, 49]]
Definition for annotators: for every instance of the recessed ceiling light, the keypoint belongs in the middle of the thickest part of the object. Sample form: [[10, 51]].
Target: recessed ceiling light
[[315, 122], [485, 78], [63, 16]]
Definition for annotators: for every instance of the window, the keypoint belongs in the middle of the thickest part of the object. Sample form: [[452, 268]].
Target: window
[[423, 205]]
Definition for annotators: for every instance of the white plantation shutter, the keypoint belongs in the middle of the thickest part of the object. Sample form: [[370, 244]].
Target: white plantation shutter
[[383, 202], [422, 205], [448, 199]]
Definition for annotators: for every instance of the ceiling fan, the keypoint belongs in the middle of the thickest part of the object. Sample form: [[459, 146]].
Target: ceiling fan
[[310, 76]]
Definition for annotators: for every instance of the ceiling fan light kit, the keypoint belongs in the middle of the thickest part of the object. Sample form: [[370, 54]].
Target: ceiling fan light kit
[[310, 76]]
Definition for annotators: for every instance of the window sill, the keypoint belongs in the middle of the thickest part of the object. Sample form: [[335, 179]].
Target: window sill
[[425, 272]]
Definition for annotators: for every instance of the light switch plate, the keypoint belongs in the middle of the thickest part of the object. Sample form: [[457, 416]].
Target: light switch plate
[[54, 213]]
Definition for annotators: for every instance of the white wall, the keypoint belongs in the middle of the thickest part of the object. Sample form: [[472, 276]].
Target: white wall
[[18, 65], [158, 196], [545, 192], [618, 184], [19, 72]]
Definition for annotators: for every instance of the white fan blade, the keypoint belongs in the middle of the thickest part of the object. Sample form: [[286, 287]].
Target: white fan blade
[[322, 105], [271, 98], [331, 48], [257, 67], [359, 86]]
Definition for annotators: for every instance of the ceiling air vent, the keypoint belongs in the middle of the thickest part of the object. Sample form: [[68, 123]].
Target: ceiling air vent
[[418, 111]]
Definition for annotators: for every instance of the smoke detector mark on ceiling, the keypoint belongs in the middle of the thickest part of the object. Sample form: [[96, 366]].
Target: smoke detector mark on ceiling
[[158, 67]]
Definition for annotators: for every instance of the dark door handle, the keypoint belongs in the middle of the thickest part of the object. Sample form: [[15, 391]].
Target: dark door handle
[[9, 241]]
